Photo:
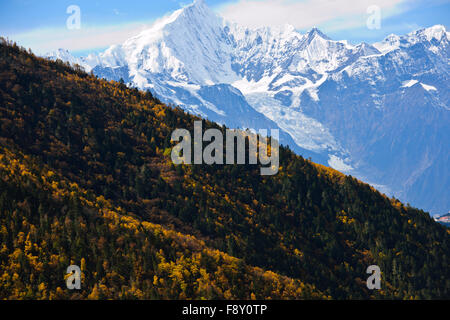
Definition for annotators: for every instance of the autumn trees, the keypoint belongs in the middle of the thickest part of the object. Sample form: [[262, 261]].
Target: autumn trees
[[85, 178]]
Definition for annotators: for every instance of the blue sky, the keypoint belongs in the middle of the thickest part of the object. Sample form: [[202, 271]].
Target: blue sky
[[41, 25]]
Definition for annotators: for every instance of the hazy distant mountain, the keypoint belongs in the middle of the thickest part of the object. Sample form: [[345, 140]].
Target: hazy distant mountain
[[444, 219], [379, 112]]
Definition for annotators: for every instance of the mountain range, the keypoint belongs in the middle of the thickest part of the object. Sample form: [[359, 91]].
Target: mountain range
[[377, 111]]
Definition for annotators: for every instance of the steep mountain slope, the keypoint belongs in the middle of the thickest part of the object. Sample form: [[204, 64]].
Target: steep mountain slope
[[86, 176], [61, 224], [358, 108]]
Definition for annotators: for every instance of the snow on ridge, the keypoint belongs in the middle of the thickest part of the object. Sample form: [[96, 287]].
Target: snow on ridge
[[393, 41], [433, 32], [412, 82], [339, 164], [409, 83], [428, 87]]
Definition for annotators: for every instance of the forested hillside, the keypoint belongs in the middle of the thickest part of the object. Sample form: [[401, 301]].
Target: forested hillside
[[86, 178]]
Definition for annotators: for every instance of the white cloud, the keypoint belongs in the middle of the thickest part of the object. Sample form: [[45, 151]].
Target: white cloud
[[334, 14], [44, 40]]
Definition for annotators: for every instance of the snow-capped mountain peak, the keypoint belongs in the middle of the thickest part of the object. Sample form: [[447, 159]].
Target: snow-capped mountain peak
[[190, 45], [314, 32], [63, 55], [434, 32], [66, 56]]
